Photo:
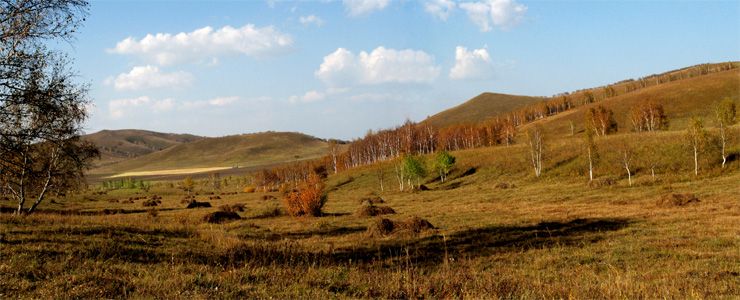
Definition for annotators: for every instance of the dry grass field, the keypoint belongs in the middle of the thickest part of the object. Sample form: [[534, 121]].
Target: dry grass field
[[499, 232]]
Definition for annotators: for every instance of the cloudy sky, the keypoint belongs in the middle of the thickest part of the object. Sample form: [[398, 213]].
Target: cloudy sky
[[335, 69]]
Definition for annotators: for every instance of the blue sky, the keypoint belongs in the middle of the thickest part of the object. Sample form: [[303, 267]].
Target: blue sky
[[335, 69]]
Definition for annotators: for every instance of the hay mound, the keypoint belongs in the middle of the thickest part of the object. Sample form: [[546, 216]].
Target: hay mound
[[371, 200], [504, 185], [371, 211], [423, 188], [220, 217], [602, 182], [232, 208], [127, 201], [149, 203], [196, 204], [113, 200], [384, 227], [267, 197], [112, 211], [214, 198], [676, 199]]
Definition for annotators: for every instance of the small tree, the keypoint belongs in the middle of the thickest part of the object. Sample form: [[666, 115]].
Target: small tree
[[648, 116], [592, 151], [651, 156], [380, 175], [536, 140], [625, 153], [188, 184], [444, 163], [602, 120], [697, 137], [215, 180], [415, 169], [334, 151], [727, 115]]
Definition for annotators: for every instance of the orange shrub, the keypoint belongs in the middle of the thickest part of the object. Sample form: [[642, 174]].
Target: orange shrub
[[249, 189], [307, 199]]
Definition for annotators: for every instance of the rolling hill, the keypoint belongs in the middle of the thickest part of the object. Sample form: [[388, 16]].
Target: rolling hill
[[246, 150], [681, 100], [480, 108], [120, 145]]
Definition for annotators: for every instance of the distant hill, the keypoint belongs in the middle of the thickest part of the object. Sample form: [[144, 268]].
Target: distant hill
[[246, 150], [681, 99], [480, 108], [120, 145]]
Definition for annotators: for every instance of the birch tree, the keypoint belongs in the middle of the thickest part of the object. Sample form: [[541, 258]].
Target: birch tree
[[697, 137], [592, 151], [727, 115], [536, 140]]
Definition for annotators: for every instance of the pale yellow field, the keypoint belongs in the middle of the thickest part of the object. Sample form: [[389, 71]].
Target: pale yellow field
[[169, 172]]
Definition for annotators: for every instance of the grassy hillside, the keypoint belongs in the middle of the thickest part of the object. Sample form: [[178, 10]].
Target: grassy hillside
[[120, 145], [480, 108], [681, 100], [237, 150]]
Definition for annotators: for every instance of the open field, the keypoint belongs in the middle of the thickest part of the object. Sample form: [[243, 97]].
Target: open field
[[548, 237], [168, 172]]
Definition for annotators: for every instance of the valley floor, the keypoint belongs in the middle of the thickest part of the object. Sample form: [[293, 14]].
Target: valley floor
[[544, 238]]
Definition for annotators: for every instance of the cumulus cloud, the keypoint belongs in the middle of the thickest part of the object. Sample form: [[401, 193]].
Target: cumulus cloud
[[364, 7], [312, 19], [206, 43], [117, 109], [344, 68], [441, 9], [149, 77], [475, 65], [308, 97], [488, 13]]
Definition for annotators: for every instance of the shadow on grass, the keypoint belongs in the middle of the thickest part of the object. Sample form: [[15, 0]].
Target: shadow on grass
[[490, 240], [130, 244]]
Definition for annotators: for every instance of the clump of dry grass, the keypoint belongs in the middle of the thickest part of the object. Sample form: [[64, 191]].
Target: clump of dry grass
[[220, 217], [504, 185], [676, 199], [366, 210], [236, 207], [149, 203], [603, 181], [384, 227], [371, 200]]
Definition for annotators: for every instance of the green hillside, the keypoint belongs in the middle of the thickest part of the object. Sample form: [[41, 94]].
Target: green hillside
[[236, 150], [119, 145], [480, 108]]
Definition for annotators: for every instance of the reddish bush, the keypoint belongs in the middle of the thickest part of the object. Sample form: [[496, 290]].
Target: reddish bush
[[307, 199]]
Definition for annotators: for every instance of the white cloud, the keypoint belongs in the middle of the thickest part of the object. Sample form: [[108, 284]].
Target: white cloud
[[488, 13], [312, 19], [441, 9], [223, 101], [206, 43], [308, 97], [343, 68], [364, 7], [149, 77], [117, 109], [472, 65]]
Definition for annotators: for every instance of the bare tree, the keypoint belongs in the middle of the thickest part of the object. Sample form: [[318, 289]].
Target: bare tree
[[592, 152], [625, 153], [215, 181], [536, 140]]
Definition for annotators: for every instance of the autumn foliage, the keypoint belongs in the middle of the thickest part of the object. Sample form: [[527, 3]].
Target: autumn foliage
[[308, 198]]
